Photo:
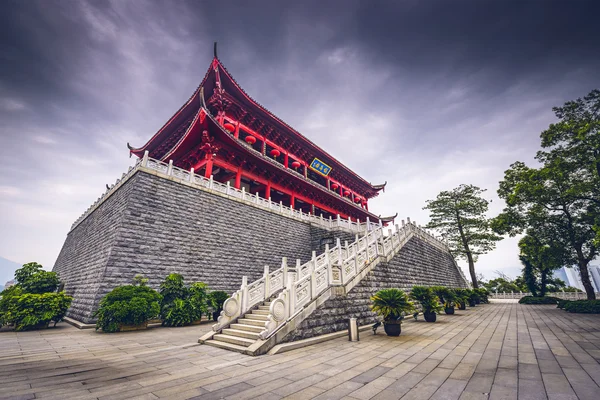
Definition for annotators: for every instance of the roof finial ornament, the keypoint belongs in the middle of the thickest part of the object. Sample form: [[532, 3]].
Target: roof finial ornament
[[215, 50], [202, 102]]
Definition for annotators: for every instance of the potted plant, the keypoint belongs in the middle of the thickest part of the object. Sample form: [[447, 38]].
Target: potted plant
[[473, 298], [449, 301], [217, 299], [428, 300], [462, 296], [391, 304]]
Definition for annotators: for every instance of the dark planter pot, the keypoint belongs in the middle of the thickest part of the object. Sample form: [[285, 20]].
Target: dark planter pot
[[462, 306], [449, 310], [392, 328], [471, 303], [216, 315], [430, 317]]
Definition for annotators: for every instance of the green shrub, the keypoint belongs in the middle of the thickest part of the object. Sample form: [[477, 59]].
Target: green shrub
[[32, 302], [538, 300], [198, 295], [172, 288], [446, 295], [127, 305], [583, 306], [33, 279], [462, 296], [391, 304], [181, 305], [482, 294], [217, 299]]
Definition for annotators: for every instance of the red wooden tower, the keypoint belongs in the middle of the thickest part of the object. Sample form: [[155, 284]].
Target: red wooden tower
[[221, 131]]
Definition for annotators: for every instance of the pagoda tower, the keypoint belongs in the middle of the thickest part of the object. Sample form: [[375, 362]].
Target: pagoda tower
[[222, 132]]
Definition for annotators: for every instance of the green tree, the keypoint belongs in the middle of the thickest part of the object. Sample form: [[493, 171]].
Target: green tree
[[459, 215], [501, 285], [34, 279], [549, 200], [542, 256]]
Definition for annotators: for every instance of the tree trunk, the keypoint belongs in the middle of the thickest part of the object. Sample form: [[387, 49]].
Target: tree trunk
[[585, 279], [544, 282], [472, 270]]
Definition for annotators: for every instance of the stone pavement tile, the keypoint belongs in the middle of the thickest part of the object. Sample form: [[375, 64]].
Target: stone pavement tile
[[508, 362], [370, 375], [400, 370], [544, 355], [480, 383], [567, 362], [558, 387], [451, 389], [471, 358], [451, 361], [372, 388], [527, 358], [339, 391], [549, 367], [593, 371], [486, 365], [299, 385], [337, 380], [582, 384], [401, 386], [583, 358], [503, 393], [426, 366], [506, 377], [307, 393], [260, 390], [428, 385], [529, 371], [224, 392], [531, 390], [463, 372]]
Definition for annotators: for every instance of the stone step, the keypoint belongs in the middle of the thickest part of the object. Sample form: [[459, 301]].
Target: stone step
[[226, 346], [240, 341], [247, 328], [240, 333], [261, 317], [260, 312], [263, 308], [255, 322]]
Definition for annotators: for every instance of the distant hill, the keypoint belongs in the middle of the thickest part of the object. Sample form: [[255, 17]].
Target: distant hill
[[7, 270]]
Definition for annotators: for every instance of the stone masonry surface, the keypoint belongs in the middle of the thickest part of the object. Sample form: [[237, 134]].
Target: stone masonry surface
[[417, 263], [495, 351], [154, 226]]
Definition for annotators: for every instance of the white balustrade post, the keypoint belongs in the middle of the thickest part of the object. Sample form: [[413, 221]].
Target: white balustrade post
[[170, 168], [145, 159], [267, 283], [191, 175], [298, 265], [339, 221], [256, 196], [280, 206], [227, 187], [313, 263], [243, 193], [284, 268], [368, 223], [327, 253], [313, 284], [244, 289], [358, 224], [408, 220], [330, 222], [338, 244], [210, 182]]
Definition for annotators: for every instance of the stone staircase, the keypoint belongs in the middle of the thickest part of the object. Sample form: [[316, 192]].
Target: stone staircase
[[245, 332], [262, 313]]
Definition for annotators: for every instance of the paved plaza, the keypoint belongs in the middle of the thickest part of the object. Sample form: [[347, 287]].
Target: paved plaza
[[499, 351]]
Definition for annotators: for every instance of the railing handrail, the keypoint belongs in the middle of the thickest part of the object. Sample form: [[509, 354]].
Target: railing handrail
[[168, 169]]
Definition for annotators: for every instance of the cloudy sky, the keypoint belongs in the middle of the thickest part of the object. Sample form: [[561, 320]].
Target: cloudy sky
[[424, 94]]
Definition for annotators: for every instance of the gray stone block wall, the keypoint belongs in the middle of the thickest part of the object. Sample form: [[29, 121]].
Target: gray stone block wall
[[154, 226], [417, 263]]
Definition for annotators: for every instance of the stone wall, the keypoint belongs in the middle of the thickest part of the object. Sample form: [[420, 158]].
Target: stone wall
[[417, 263], [155, 226]]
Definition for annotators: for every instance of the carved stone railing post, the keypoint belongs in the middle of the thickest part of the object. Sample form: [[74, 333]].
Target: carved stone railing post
[[244, 289], [145, 159], [284, 267], [267, 282], [191, 175]]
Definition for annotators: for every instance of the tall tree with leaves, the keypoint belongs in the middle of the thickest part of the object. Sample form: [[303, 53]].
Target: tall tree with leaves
[[459, 215], [550, 199], [540, 256]]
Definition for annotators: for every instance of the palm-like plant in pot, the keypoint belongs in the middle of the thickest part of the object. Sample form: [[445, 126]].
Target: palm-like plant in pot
[[428, 300], [462, 297], [449, 301], [391, 304]]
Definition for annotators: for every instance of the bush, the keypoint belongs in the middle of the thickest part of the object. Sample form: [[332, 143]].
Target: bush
[[217, 299], [127, 305], [391, 304], [462, 296], [538, 300], [583, 306], [181, 305], [32, 302], [482, 294]]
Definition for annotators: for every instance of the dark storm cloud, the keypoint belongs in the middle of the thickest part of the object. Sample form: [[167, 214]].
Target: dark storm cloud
[[423, 94]]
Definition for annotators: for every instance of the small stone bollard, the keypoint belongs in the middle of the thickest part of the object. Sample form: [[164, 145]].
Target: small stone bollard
[[353, 330]]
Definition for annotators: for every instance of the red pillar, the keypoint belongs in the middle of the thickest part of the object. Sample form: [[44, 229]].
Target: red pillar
[[285, 160], [268, 190], [366, 206], [237, 130], [292, 200], [238, 178], [341, 191], [209, 165]]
